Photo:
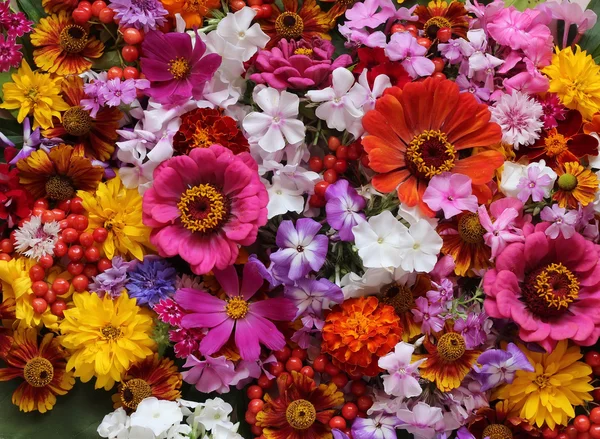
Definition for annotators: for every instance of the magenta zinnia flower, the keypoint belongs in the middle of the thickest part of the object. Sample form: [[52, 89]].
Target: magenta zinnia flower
[[202, 207], [175, 70], [549, 287], [249, 320]]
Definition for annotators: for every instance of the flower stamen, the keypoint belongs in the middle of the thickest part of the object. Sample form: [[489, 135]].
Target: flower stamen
[[73, 38], [430, 153], [179, 68], [451, 346], [77, 121], [301, 414], [38, 372], [236, 308], [203, 208], [289, 25], [134, 391]]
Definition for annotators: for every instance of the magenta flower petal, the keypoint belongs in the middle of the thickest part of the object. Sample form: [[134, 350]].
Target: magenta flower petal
[[228, 280], [278, 308], [198, 301], [246, 339], [216, 337]]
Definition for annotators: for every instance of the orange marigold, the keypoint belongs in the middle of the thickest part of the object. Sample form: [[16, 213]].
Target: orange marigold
[[360, 331]]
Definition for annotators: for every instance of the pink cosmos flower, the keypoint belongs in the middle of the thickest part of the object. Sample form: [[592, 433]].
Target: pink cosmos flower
[[549, 287], [451, 193], [202, 207], [249, 321]]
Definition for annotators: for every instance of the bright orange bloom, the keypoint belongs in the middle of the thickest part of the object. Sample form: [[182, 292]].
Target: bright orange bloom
[[301, 411], [42, 367], [593, 126], [98, 134], [358, 332], [576, 184], [192, 11], [64, 47], [439, 14], [420, 131]]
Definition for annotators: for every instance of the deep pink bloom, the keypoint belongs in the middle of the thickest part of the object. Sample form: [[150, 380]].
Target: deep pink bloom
[[202, 207], [549, 287], [10, 55], [451, 193], [169, 311], [517, 29], [250, 321]]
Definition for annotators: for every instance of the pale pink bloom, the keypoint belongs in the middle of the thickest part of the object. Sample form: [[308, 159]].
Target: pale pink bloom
[[451, 193]]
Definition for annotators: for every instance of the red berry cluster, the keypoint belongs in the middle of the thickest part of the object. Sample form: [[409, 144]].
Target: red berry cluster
[[85, 10], [334, 166], [262, 7], [288, 360]]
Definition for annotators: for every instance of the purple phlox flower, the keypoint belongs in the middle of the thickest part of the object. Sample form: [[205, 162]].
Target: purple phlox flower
[[16, 24], [452, 50], [275, 275], [464, 433], [404, 47], [498, 366], [370, 13], [247, 371], [421, 420], [406, 14], [534, 185], [94, 97], [429, 315], [530, 81], [10, 55], [209, 375], [311, 326], [151, 280], [474, 329], [112, 281], [312, 296], [356, 37], [402, 379], [475, 44], [482, 94], [338, 434], [376, 426], [502, 231], [169, 311], [361, 93], [483, 69], [587, 224], [444, 267], [451, 193], [141, 14], [443, 292], [553, 110], [563, 221], [343, 208], [116, 92], [32, 140], [301, 248], [109, 172]]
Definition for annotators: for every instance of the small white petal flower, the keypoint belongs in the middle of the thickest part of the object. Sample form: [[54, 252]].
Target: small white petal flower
[[238, 30], [35, 240], [284, 197], [520, 118], [156, 415], [420, 249]]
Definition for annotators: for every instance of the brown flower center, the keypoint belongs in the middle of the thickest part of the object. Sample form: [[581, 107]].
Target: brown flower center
[[434, 24], [399, 297], [134, 391], [179, 68], [38, 372], [59, 188], [203, 208], [73, 38], [470, 229], [548, 292], [555, 143], [497, 431], [77, 121], [289, 25], [109, 332], [301, 414], [236, 308], [451, 347], [430, 154]]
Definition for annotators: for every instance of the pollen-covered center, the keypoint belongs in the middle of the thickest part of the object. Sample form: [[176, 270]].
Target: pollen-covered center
[[429, 154], [134, 391], [289, 25], [109, 332], [497, 431], [434, 24], [548, 292], [451, 347], [77, 121], [73, 38], [301, 414], [555, 143], [470, 229], [179, 68], [38, 372], [236, 308], [204, 208], [399, 297], [59, 188]]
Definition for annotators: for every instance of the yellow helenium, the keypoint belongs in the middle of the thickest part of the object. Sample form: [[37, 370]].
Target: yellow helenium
[[119, 211], [105, 337], [575, 78], [547, 395], [34, 93]]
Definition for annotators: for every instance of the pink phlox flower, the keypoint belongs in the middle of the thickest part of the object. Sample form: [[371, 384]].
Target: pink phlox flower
[[404, 47], [210, 374], [370, 13], [429, 314], [535, 184], [451, 193], [502, 231], [517, 29], [563, 221], [402, 377]]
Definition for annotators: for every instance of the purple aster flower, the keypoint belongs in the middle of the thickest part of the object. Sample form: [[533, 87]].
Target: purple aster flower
[[151, 281], [111, 281], [429, 315], [498, 366], [404, 47], [141, 14], [301, 248], [175, 69], [10, 55], [377, 426], [343, 208], [311, 296], [533, 185], [209, 375], [473, 329], [563, 221], [114, 92]]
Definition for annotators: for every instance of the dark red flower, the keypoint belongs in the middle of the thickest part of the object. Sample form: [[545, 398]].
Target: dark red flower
[[15, 202], [375, 61]]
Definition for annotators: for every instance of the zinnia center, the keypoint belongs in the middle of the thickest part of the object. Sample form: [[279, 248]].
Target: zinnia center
[[555, 143], [451, 347], [289, 25], [59, 188], [236, 308], [430, 154], [301, 414], [38, 372], [135, 391], [399, 297], [303, 51], [497, 431], [179, 68], [77, 121], [548, 292], [204, 208], [73, 38], [434, 24], [470, 229]]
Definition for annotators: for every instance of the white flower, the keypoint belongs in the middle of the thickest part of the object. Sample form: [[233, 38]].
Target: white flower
[[361, 93], [421, 420], [222, 432], [284, 197], [412, 215], [157, 415], [139, 432], [278, 119], [513, 172], [379, 240], [114, 424], [214, 412], [519, 117], [373, 280], [139, 176], [181, 431], [35, 240], [402, 379], [238, 30], [135, 145], [338, 109], [420, 248]]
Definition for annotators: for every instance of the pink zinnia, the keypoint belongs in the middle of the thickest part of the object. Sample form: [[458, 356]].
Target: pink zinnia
[[250, 321], [549, 287], [202, 207]]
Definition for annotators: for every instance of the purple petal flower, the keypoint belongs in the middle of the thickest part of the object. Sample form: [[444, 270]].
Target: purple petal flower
[[429, 315], [141, 14], [369, 13], [533, 185], [111, 281], [498, 366], [451, 193], [404, 47], [473, 329], [343, 208], [311, 296], [563, 221], [377, 426], [210, 375]]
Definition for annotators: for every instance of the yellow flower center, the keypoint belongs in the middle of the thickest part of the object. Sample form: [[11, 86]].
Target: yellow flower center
[[201, 139], [134, 391], [470, 229], [73, 38], [77, 121], [236, 308], [399, 297], [38, 372], [289, 25], [59, 188], [557, 285], [434, 24], [567, 182], [179, 67], [451, 347], [497, 431], [301, 414], [542, 381], [303, 51], [109, 332], [430, 154], [555, 143], [203, 208]]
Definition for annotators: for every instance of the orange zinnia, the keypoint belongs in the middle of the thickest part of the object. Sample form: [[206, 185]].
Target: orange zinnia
[[358, 332], [192, 11], [439, 14], [420, 131]]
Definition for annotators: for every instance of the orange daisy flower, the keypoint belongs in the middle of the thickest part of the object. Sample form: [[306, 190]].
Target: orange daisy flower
[[358, 332], [7, 316], [421, 131], [42, 367], [497, 423], [58, 175], [296, 22], [192, 11], [63, 47], [439, 14], [448, 361], [153, 376], [98, 134], [576, 184], [55, 6], [302, 409]]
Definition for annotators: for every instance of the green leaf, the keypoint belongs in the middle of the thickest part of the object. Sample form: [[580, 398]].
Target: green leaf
[[106, 61], [32, 8], [591, 39], [4, 78]]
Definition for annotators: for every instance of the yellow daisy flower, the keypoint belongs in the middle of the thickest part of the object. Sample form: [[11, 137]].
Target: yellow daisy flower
[[105, 337], [34, 93], [575, 78], [118, 210], [547, 395]]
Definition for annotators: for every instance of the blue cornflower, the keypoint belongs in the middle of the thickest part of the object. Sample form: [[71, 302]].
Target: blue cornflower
[[151, 280]]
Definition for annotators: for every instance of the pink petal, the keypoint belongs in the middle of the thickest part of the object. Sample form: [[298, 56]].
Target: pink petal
[[278, 308], [246, 339], [228, 279], [216, 337], [199, 301]]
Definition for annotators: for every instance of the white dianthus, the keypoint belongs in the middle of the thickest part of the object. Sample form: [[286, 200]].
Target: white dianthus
[[35, 239], [519, 116]]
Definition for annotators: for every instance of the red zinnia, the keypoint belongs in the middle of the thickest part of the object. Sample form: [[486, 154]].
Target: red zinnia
[[376, 63]]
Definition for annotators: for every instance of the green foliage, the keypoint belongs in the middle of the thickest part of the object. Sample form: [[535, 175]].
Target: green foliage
[[13, 130], [32, 8], [591, 39]]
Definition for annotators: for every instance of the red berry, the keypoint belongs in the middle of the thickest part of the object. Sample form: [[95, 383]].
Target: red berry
[[131, 72], [63, 224], [90, 270], [320, 363], [64, 205], [254, 2], [321, 188], [594, 431], [75, 253], [236, 5], [100, 234], [39, 288], [80, 223], [50, 296], [5, 257], [595, 415], [584, 435], [70, 235], [256, 430], [48, 216], [85, 5], [115, 72], [333, 143], [329, 161], [317, 201], [438, 75], [439, 64], [254, 392], [571, 431], [80, 283], [283, 354], [340, 166], [349, 411], [582, 423], [548, 433], [132, 36], [337, 422], [259, 12], [106, 15], [330, 176], [81, 16], [77, 205], [299, 353], [60, 286], [412, 29], [256, 405], [6, 246], [97, 6], [340, 380], [39, 305], [358, 388], [592, 358], [308, 371], [364, 403], [444, 34], [58, 307], [250, 418], [425, 42], [37, 211], [58, 214], [293, 364], [266, 11], [331, 370], [264, 381], [37, 272], [86, 239], [315, 164], [41, 202], [342, 152], [354, 151], [397, 28], [563, 436], [276, 368], [75, 268], [46, 261], [92, 254], [104, 264]]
